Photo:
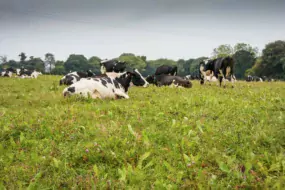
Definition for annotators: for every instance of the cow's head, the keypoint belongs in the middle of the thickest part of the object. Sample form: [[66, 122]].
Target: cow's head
[[138, 79], [150, 79]]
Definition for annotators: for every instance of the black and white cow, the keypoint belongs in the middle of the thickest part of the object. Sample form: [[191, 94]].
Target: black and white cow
[[8, 72], [166, 70], [137, 79], [74, 77], [112, 66], [221, 68], [167, 80], [104, 87], [250, 78], [25, 73]]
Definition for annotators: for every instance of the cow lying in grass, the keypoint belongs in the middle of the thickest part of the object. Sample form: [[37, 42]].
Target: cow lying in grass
[[104, 87], [167, 80]]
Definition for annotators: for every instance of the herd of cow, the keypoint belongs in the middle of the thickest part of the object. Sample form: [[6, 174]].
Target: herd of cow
[[22, 73], [115, 79]]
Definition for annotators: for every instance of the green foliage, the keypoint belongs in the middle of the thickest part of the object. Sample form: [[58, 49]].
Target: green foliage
[[244, 60], [35, 63], [94, 64], [76, 63], [223, 51], [218, 139], [273, 59], [246, 47], [133, 61]]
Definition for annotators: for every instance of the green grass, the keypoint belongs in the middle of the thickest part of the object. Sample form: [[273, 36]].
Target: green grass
[[161, 138]]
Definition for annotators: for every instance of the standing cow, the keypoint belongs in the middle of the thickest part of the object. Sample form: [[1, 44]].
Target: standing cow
[[221, 68]]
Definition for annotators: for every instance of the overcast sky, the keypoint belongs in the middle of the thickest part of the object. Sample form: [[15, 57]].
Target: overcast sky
[[155, 28]]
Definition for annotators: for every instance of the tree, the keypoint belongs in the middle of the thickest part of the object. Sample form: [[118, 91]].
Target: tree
[[246, 47], [22, 58], [59, 68], [273, 59], [35, 64], [94, 64], [223, 51], [132, 61], [76, 62], [49, 62], [244, 60], [3, 59]]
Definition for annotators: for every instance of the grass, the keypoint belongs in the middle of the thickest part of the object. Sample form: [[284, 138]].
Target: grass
[[161, 138]]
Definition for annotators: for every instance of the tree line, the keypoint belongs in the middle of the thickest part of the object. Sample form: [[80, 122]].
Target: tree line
[[248, 61]]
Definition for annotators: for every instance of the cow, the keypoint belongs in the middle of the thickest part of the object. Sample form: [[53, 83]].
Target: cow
[[221, 68], [166, 70], [6, 73], [250, 78], [104, 87], [137, 79], [73, 77], [167, 80], [24, 73], [112, 66]]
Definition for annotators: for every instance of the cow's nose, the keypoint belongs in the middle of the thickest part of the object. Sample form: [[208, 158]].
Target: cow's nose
[[146, 85]]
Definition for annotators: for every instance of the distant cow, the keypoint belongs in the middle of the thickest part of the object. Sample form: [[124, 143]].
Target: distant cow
[[250, 78], [221, 68], [73, 77], [6, 73], [112, 66], [102, 88], [137, 79], [167, 80], [166, 70]]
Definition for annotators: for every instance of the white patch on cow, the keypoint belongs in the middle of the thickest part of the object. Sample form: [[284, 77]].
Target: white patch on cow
[[114, 75], [18, 71], [35, 74], [96, 89], [228, 71], [145, 82], [103, 69], [260, 79]]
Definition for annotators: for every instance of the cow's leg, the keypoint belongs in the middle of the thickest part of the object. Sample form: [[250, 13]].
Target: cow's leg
[[222, 78], [96, 94], [119, 93], [233, 80]]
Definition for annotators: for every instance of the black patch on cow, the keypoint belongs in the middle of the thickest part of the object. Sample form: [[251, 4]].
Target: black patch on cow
[[116, 84], [95, 79], [71, 89], [104, 82], [109, 80], [113, 90]]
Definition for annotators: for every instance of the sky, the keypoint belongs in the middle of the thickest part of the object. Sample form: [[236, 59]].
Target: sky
[[171, 29]]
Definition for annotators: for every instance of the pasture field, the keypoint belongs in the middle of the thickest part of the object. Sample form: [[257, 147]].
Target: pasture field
[[161, 138]]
